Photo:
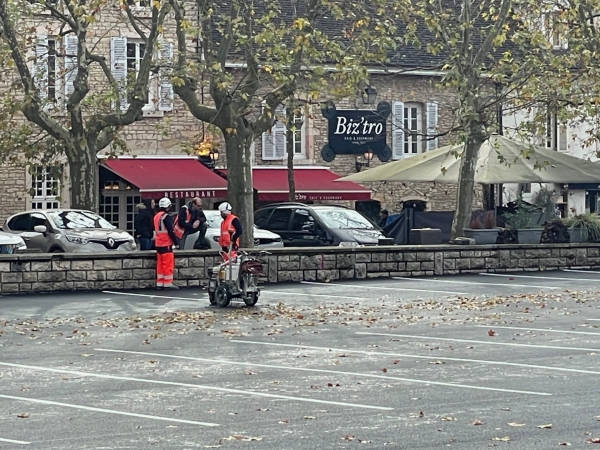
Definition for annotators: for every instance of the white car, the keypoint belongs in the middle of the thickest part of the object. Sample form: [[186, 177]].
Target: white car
[[9, 243], [262, 238]]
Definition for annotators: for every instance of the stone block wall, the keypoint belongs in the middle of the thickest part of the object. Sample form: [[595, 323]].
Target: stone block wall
[[26, 273]]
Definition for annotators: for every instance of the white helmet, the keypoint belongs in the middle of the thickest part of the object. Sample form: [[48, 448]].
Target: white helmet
[[225, 208], [164, 203]]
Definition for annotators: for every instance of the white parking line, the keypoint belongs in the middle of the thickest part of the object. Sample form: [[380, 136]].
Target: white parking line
[[312, 370], [593, 320], [195, 386], [593, 272], [472, 341], [108, 411], [546, 330], [474, 282], [528, 276], [407, 355], [352, 286], [13, 441], [150, 295], [311, 295]]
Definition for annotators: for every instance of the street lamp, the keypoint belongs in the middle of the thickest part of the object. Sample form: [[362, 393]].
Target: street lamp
[[210, 159], [369, 95], [368, 156]]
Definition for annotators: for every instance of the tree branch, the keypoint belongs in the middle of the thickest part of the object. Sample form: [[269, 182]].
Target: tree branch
[[132, 21], [487, 45]]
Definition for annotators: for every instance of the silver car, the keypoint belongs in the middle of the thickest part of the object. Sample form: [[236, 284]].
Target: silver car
[[262, 238], [68, 230]]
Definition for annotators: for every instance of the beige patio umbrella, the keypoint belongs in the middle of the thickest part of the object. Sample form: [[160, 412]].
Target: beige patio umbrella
[[501, 160]]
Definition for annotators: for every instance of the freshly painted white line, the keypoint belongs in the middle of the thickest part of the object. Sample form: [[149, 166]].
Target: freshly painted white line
[[13, 441], [149, 295], [108, 411], [380, 287], [196, 386], [474, 282], [546, 330], [407, 355], [313, 295], [527, 276], [593, 272], [336, 372], [594, 320], [472, 341]]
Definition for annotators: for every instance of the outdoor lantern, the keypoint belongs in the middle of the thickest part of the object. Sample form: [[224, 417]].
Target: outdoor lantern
[[214, 156], [369, 95], [368, 156]]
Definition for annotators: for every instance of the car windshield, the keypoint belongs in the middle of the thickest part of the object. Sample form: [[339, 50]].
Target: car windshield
[[68, 220], [340, 218], [214, 219]]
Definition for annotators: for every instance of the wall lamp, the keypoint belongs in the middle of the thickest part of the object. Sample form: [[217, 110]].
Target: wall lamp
[[210, 159], [369, 95], [368, 156]]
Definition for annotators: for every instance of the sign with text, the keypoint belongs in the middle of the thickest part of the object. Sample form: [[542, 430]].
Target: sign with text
[[191, 193]]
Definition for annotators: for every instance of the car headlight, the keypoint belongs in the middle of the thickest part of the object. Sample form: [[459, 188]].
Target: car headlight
[[278, 240], [77, 239]]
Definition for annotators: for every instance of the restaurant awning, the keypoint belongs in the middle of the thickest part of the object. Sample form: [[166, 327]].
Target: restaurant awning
[[168, 176], [312, 183]]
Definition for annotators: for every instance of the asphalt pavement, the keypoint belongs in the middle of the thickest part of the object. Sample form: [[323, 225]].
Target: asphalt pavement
[[466, 362]]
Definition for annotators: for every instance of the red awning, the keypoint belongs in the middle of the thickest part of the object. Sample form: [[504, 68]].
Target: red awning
[[312, 183], [172, 177]]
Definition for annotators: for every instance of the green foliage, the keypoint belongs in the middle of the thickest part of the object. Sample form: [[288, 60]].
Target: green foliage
[[525, 216], [544, 199], [589, 223]]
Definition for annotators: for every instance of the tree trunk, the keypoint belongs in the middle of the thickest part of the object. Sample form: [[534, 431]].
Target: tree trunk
[[464, 196], [84, 179], [290, 163], [239, 183]]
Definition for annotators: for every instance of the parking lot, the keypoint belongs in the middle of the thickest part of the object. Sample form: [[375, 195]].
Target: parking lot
[[469, 362]]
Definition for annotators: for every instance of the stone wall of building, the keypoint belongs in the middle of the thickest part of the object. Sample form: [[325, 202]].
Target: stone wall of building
[[26, 273], [13, 190]]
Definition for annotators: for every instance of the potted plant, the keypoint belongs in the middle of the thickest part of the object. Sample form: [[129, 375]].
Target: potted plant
[[583, 227], [483, 228], [526, 221]]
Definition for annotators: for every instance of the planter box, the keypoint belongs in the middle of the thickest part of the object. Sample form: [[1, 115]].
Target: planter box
[[576, 235], [482, 236], [530, 235]]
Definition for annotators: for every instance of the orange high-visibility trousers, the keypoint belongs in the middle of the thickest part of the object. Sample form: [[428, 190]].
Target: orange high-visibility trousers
[[165, 263]]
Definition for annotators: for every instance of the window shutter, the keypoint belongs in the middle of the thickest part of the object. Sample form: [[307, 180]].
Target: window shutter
[[40, 67], [165, 88], [397, 130], [563, 140], [274, 142], [71, 47], [432, 121], [118, 60]]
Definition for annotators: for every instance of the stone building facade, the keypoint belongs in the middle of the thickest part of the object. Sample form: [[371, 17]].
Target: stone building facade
[[165, 130]]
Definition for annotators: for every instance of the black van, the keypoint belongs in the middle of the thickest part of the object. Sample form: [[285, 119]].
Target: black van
[[301, 225]]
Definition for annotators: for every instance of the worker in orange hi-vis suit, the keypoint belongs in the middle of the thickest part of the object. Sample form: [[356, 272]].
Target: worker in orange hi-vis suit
[[164, 241], [231, 230]]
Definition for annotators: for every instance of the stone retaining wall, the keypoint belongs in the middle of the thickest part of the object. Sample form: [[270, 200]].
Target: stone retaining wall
[[31, 272]]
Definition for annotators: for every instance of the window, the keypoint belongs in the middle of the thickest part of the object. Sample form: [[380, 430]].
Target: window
[[298, 136], [274, 142], [45, 188], [46, 68], [555, 133], [131, 200], [553, 29], [410, 133], [138, 3], [19, 223], [135, 54], [109, 208], [412, 128], [261, 218], [302, 221], [280, 219]]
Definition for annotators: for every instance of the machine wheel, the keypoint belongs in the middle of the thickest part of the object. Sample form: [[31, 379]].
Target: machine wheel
[[211, 298], [252, 299], [222, 296]]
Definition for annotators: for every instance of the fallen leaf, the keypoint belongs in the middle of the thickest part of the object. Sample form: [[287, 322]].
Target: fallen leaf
[[263, 409], [515, 424], [437, 362], [503, 439], [564, 443], [238, 437], [249, 372], [309, 417], [421, 414], [593, 441], [23, 416], [448, 418], [363, 441], [396, 361], [491, 333], [477, 422], [384, 370], [284, 421], [348, 438], [545, 426]]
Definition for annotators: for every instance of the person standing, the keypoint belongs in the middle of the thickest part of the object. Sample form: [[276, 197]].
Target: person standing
[[383, 218], [165, 240], [231, 230], [143, 224]]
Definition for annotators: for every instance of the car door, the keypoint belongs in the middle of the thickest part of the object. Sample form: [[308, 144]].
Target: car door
[[21, 225], [279, 223], [303, 231], [39, 240]]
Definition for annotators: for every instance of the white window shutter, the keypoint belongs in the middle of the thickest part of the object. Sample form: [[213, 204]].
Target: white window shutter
[[563, 138], [274, 142], [432, 121], [118, 65], [40, 67], [397, 130], [165, 88], [71, 47], [280, 133]]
